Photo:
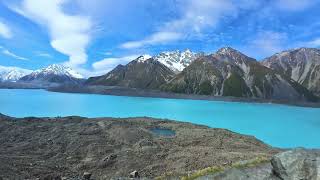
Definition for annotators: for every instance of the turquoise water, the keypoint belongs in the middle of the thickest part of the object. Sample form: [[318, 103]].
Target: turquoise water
[[277, 125], [163, 132]]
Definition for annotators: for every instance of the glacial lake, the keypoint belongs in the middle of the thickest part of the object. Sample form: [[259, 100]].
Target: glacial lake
[[278, 125]]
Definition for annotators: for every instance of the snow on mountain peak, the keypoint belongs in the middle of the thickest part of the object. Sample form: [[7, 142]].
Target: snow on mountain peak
[[176, 60], [12, 73], [58, 69], [143, 58]]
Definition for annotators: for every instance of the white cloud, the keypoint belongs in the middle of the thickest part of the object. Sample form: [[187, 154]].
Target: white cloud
[[196, 16], [11, 54], [266, 43], [108, 53], [107, 64], [314, 43], [294, 5], [5, 31], [43, 54], [156, 38], [70, 34]]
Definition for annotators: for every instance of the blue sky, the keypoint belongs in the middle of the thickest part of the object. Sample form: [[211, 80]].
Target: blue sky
[[94, 36]]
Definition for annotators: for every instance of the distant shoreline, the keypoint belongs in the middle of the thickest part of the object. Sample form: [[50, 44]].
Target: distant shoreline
[[133, 92]]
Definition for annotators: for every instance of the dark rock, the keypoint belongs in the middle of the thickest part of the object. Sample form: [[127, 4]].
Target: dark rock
[[108, 160], [86, 175], [134, 174]]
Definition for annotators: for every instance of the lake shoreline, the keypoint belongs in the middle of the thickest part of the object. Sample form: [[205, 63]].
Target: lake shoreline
[[113, 147], [133, 92], [76, 148]]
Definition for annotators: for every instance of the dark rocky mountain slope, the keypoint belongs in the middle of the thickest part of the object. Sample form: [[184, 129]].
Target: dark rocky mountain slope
[[140, 73], [231, 73], [302, 65]]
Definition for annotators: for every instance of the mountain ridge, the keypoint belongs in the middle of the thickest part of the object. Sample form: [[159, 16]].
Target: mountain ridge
[[227, 72], [302, 65], [8, 73], [54, 73], [139, 73]]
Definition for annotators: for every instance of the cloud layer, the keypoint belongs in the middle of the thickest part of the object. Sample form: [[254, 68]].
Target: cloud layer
[[196, 16], [69, 34], [5, 31], [11, 54], [107, 64]]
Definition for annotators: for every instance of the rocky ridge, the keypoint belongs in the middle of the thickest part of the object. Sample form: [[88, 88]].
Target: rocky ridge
[[302, 65], [231, 73], [55, 73]]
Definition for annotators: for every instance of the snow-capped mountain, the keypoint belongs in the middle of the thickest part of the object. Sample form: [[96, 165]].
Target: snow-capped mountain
[[55, 73], [229, 72], [58, 69], [176, 60], [12, 74]]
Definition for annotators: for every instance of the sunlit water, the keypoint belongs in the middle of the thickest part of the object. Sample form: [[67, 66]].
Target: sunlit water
[[277, 125]]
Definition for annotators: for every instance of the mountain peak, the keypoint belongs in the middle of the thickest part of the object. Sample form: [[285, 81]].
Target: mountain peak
[[176, 60], [58, 69], [143, 58], [228, 50], [12, 73]]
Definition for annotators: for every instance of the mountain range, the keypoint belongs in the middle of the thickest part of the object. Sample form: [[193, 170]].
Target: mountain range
[[289, 75], [227, 72]]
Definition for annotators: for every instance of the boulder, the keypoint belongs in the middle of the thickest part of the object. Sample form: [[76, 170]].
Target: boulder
[[297, 164], [86, 175], [134, 174]]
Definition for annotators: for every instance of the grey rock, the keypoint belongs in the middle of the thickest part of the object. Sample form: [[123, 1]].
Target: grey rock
[[134, 174], [86, 175], [297, 164]]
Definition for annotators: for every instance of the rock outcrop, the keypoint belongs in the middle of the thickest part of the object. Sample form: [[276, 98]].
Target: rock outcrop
[[296, 164]]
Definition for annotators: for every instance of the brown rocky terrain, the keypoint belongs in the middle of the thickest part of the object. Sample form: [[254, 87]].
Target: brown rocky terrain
[[66, 148]]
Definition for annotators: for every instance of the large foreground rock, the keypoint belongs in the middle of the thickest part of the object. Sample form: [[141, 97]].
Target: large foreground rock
[[296, 164]]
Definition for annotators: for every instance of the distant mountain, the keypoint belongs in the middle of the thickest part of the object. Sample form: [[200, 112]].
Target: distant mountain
[[176, 60], [12, 74], [231, 73], [302, 65], [143, 72], [55, 73]]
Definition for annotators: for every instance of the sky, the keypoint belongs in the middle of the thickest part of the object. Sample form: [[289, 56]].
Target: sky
[[94, 36]]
